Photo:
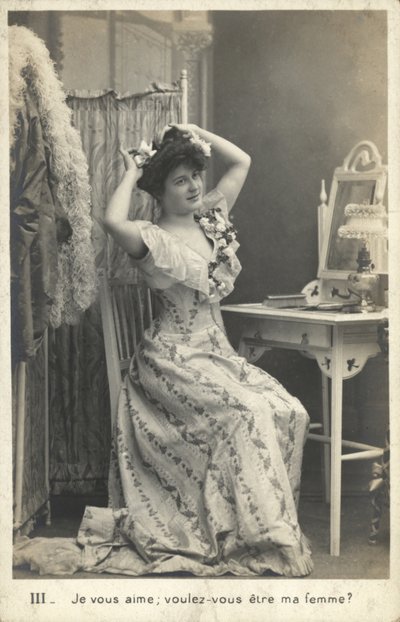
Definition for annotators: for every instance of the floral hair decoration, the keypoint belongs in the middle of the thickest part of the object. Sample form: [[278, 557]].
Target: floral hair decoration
[[199, 142], [143, 154]]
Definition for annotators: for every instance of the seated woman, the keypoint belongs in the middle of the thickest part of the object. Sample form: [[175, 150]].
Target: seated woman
[[206, 461]]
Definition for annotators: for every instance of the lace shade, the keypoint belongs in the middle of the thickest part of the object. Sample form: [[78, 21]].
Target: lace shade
[[364, 222]]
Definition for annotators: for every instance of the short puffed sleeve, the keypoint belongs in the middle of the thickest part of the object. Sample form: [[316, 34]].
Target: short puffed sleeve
[[168, 261]]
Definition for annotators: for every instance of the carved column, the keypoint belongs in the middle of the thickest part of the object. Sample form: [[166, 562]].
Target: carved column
[[192, 44]]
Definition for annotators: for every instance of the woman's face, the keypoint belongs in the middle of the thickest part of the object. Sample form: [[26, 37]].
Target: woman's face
[[183, 191]]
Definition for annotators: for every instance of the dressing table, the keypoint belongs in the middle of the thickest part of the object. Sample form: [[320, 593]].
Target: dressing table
[[328, 326]]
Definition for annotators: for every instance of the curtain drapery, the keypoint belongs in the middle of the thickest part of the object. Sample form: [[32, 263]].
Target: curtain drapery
[[33, 234], [106, 121], [79, 400]]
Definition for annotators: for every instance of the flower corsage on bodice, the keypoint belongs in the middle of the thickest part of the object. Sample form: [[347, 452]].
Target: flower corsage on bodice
[[224, 266]]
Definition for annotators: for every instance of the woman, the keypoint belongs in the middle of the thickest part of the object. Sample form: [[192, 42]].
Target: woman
[[205, 467], [213, 443]]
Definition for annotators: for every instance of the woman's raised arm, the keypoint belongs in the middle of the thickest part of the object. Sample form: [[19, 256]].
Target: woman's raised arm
[[124, 231], [237, 161]]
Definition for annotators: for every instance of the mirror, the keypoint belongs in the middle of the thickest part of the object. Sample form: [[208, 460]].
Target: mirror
[[361, 180]]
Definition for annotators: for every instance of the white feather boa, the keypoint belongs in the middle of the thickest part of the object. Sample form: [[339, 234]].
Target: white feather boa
[[31, 67]]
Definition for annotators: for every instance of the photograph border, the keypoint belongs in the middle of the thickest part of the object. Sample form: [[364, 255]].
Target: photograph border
[[369, 600]]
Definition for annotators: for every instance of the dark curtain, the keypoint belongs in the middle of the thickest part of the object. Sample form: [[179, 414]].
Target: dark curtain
[[33, 241]]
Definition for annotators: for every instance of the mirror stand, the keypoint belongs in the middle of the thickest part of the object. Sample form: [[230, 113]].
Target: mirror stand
[[352, 229]]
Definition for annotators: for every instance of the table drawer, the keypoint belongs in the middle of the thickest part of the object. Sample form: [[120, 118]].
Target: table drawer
[[299, 335], [367, 333]]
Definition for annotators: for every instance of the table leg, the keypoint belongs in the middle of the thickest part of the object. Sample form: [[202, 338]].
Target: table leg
[[327, 432], [336, 444]]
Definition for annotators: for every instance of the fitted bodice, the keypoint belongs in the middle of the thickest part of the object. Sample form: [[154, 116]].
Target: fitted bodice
[[180, 309], [188, 288]]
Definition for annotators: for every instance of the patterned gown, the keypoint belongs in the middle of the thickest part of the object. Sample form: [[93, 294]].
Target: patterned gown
[[206, 460]]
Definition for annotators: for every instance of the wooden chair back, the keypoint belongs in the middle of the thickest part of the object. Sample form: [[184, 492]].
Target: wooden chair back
[[126, 311]]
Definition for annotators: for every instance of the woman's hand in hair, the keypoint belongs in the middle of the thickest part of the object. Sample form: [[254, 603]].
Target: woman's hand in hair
[[237, 162], [116, 218], [129, 162], [183, 127]]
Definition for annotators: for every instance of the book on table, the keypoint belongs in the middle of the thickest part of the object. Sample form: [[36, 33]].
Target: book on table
[[285, 301], [299, 301]]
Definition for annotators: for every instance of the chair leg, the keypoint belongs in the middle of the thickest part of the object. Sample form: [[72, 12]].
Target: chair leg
[[379, 488], [377, 504]]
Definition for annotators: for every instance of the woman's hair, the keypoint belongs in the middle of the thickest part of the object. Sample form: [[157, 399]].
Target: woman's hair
[[177, 147]]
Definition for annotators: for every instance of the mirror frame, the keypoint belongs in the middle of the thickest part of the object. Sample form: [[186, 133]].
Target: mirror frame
[[364, 154]]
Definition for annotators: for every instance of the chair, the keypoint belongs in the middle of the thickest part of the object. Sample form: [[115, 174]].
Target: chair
[[379, 486], [126, 311]]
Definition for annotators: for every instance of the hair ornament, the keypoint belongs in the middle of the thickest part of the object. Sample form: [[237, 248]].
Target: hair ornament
[[199, 142], [143, 154]]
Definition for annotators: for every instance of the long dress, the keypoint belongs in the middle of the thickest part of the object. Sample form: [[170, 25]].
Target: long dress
[[206, 459]]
